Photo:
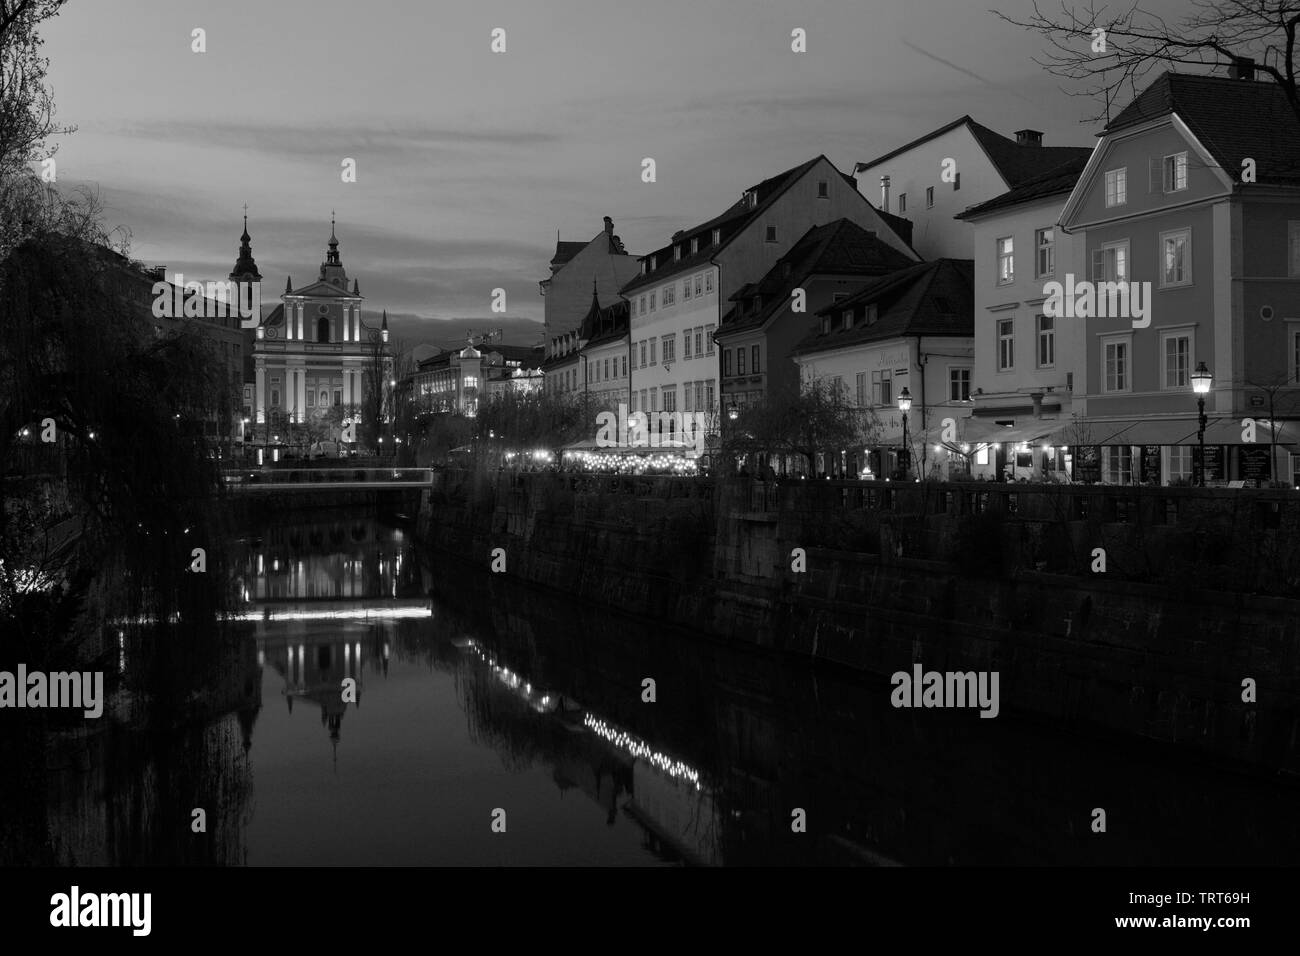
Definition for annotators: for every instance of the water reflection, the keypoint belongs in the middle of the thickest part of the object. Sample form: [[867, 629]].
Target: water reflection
[[481, 695]]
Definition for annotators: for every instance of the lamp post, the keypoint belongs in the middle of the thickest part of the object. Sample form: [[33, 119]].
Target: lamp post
[[1201, 382], [732, 414], [905, 406]]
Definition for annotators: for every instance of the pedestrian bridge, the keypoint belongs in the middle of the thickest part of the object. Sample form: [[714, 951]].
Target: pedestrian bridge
[[327, 479]]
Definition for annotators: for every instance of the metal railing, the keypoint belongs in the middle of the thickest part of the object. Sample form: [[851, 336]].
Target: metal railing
[[307, 478]]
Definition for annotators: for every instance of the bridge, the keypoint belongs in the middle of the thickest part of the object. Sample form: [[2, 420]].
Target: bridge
[[327, 479]]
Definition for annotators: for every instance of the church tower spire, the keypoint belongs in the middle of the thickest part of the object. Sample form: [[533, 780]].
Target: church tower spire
[[331, 270], [245, 266]]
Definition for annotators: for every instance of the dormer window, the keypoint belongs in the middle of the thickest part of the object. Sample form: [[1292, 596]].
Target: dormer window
[[826, 324], [717, 237], [751, 199], [846, 319], [677, 253], [770, 234], [695, 245], [872, 313]]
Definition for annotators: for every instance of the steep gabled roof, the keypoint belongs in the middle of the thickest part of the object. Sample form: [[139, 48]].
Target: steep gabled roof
[[840, 248], [930, 298], [1055, 182], [1233, 119], [564, 251], [1016, 163], [731, 221]]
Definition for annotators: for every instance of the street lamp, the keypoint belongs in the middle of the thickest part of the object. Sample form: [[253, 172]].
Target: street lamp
[[905, 406], [1201, 382]]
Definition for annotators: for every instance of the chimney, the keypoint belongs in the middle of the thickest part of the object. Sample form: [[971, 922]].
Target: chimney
[[884, 193], [1029, 137], [609, 226], [1243, 67]]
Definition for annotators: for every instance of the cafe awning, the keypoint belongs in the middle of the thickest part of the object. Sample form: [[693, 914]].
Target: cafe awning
[[1182, 431]]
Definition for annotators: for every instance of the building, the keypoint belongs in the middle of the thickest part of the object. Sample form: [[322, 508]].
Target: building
[[917, 182], [313, 353], [460, 381], [677, 300], [770, 316], [605, 354], [911, 329], [574, 268], [1026, 362], [1191, 200]]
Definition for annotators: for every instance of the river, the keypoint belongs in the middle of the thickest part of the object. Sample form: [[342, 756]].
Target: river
[[493, 724]]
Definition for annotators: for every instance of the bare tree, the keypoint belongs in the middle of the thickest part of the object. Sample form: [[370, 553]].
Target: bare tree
[[1277, 393], [1111, 51]]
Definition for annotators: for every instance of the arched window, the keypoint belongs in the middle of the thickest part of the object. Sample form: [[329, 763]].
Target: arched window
[[324, 398], [322, 329]]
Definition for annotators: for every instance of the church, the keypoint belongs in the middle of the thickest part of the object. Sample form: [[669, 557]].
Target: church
[[312, 352]]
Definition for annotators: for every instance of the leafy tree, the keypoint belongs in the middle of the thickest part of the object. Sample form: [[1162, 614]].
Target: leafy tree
[[803, 420]]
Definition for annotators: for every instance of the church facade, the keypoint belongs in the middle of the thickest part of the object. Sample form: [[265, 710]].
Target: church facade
[[312, 353]]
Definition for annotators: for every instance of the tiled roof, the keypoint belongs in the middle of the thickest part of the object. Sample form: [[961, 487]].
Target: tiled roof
[[1233, 119], [611, 325], [564, 251], [930, 298], [841, 247], [1055, 182], [1015, 162], [276, 317], [731, 221]]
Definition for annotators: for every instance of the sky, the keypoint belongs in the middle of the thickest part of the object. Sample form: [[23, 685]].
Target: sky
[[469, 161]]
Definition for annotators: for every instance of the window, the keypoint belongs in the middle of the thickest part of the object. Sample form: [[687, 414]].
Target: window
[[654, 348], [770, 235], [652, 301], [1046, 341], [871, 313], [1115, 365], [670, 294], [645, 407], [902, 203], [695, 247], [708, 282], [929, 197], [726, 361], [688, 393], [670, 348], [1006, 345], [699, 397], [643, 354], [882, 388], [1110, 262], [959, 385], [323, 329], [1175, 172], [740, 360], [1117, 186], [471, 381], [717, 236], [1176, 258], [311, 398], [860, 389], [686, 345], [823, 189], [1293, 248], [1117, 464], [642, 309], [846, 319], [708, 395], [753, 360], [826, 325], [708, 338], [654, 399], [677, 253], [625, 366], [1006, 260], [1175, 359], [699, 284], [1178, 463], [699, 336], [839, 296], [607, 368], [686, 289], [275, 396], [1045, 243]]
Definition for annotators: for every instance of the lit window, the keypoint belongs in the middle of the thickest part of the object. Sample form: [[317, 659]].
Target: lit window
[[1110, 262], [959, 385]]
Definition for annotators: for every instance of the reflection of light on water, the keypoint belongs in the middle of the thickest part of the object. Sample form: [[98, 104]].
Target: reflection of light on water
[[639, 748], [121, 652], [340, 614]]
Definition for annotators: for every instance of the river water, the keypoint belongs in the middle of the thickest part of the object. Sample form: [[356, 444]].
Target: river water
[[494, 724]]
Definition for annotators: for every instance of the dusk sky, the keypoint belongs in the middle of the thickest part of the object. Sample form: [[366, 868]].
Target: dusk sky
[[469, 161]]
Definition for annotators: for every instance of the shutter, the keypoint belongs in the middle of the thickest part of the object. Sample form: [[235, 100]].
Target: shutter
[[1155, 175], [1099, 265]]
